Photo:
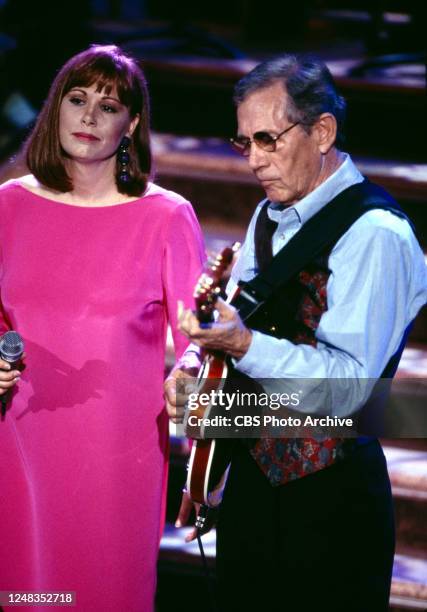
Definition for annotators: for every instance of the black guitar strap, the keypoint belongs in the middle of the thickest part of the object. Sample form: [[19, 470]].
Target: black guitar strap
[[323, 230]]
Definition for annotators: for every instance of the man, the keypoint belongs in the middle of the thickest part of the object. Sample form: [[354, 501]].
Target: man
[[308, 524]]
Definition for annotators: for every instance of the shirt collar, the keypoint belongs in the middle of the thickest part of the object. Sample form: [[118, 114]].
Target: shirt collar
[[344, 176]]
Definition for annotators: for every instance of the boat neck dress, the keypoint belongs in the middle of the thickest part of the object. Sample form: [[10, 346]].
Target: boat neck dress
[[84, 443]]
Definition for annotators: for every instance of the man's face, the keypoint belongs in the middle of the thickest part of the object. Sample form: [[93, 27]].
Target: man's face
[[293, 169]]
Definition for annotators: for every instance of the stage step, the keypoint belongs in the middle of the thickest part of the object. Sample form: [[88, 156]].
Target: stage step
[[408, 475], [213, 159]]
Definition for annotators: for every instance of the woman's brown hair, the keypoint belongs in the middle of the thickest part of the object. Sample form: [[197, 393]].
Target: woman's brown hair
[[107, 66]]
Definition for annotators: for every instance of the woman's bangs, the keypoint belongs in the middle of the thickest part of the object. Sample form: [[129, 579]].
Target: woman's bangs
[[105, 78]]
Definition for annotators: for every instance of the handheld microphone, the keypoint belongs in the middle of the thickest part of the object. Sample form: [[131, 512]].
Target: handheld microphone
[[11, 350]]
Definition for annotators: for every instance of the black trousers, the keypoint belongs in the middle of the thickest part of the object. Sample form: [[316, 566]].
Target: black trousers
[[323, 542]]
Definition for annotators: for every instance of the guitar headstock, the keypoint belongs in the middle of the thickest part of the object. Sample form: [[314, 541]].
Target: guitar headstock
[[208, 287]]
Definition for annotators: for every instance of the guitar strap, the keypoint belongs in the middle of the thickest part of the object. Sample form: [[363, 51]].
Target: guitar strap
[[321, 231]]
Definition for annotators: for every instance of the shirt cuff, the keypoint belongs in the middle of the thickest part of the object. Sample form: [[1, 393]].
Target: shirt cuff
[[190, 358], [251, 364]]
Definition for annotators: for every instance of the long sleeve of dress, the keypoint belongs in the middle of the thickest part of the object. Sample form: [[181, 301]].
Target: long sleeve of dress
[[183, 259]]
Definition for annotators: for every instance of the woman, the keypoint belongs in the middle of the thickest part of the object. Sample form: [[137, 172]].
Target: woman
[[93, 260]]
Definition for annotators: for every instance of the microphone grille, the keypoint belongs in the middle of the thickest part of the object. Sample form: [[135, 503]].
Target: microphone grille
[[11, 346]]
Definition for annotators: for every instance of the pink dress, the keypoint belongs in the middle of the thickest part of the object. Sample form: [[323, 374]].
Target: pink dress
[[84, 445]]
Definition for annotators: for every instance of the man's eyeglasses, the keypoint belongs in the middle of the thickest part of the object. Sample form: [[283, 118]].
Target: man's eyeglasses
[[263, 140]]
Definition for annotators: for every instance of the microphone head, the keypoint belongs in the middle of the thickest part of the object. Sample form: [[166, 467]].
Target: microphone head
[[11, 346]]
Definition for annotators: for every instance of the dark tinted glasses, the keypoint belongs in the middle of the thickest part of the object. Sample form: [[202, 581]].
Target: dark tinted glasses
[[263, 140]]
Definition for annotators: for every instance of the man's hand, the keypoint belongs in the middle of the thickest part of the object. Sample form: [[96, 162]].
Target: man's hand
[[186, 369], [184, 515], [227, 334]]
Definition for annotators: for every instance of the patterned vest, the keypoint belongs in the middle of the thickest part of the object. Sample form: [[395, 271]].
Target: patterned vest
[[295, 314]]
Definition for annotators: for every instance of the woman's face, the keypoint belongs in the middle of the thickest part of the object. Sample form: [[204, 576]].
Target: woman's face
[[92, 124]]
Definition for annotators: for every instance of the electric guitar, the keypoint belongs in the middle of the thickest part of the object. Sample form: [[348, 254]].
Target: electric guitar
[[209, 458]]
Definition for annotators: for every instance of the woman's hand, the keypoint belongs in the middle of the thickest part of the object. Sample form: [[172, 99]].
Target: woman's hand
[[8, 377]]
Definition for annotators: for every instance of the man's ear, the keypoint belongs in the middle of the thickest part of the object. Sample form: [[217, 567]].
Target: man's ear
[[325, 130]]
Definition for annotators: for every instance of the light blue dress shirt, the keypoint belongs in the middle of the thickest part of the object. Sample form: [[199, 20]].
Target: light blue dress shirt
[[377, 285]]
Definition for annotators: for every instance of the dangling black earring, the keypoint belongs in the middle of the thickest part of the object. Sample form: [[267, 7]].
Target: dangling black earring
[[124, 158]]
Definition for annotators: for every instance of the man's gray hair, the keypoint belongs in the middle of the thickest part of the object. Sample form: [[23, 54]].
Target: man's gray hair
[[307, 81]]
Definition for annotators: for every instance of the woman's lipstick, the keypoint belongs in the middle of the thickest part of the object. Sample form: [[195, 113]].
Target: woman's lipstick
[[84, 136]]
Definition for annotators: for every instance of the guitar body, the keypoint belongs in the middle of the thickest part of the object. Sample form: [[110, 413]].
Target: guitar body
[[207, 470], [209, 458]]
